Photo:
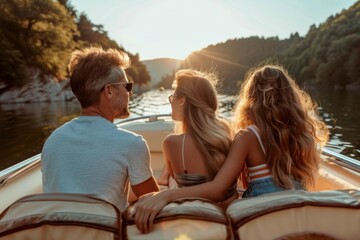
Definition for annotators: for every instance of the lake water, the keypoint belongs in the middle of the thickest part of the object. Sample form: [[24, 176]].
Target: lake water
[[25, 127]]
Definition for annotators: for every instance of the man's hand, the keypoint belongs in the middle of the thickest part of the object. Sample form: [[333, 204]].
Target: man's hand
[[147, 208]]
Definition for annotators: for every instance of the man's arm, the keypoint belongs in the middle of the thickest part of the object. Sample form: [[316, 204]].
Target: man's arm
[[140, 169], [147, 186]]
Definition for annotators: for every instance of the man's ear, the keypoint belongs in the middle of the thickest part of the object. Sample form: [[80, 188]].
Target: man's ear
[[107, 91]]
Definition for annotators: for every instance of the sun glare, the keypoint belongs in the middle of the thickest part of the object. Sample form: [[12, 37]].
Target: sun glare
[[174, 28], [182, 237]]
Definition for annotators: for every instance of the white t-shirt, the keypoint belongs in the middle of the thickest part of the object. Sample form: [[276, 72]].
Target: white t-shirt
[[91, 155]]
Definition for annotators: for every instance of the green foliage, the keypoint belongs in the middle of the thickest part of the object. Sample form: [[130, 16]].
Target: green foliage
[[38, 34], [12, 66], [329, 55], [41, 34], [95, 35], [92, 34], [232, 59], [138, 72], [166, 81]]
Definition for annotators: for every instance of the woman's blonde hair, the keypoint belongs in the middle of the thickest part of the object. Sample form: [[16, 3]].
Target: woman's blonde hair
[[289, 125], [212, 135]]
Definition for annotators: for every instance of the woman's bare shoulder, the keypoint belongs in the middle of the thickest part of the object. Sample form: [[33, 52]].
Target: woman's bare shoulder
[[173, 139], [243, 133], [245, 136]]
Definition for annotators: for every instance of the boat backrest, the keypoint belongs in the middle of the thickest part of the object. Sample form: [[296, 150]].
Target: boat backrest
[[283, 215], [297, 215], [182, 219], [60, 216]]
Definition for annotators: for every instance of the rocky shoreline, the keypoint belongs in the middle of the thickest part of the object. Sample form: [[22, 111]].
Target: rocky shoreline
[[39, 91]]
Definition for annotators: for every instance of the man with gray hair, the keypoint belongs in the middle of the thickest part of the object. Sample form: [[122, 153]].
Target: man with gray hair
[[90, 154]]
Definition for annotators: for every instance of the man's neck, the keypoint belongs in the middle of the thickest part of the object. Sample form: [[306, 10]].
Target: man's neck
[[95, 111]]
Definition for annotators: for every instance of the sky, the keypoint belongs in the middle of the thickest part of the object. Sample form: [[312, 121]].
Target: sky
[[175, 28]]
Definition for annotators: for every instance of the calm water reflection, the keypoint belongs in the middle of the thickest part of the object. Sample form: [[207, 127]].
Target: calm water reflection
[[25, 127], [340, 110]]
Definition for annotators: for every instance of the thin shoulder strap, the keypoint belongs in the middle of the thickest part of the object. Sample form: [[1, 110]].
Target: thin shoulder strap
[[256, 131], [183, 153]]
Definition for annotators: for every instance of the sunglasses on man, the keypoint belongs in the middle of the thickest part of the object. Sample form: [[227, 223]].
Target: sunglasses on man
[[128, 85]]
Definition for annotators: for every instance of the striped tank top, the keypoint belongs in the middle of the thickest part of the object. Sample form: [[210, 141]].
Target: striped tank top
[[260, 171]]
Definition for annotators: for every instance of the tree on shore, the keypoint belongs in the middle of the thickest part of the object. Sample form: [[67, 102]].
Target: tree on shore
[[41, 34], [35, 34]]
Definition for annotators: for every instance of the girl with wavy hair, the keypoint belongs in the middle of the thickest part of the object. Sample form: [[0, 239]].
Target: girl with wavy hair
[[283, 131], [201, 140], [277, 145]]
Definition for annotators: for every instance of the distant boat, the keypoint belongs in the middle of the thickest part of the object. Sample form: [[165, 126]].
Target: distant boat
[[331, 209]]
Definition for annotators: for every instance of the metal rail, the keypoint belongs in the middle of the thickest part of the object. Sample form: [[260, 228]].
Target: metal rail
[[152, 118], [342, 160], [18, 169], [24, 166]]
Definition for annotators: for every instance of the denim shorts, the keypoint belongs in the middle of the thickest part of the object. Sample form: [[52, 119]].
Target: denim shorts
[[267, 185]]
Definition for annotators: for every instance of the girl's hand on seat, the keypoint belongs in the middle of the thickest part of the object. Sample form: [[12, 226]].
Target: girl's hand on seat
[[147, 208]]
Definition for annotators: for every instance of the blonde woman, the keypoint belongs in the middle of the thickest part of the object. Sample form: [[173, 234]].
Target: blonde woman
[[283, 131], [201, 140], [277, 146]]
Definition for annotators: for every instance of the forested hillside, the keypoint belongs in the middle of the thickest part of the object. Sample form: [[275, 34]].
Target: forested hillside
[[329, 54], [41, 34]]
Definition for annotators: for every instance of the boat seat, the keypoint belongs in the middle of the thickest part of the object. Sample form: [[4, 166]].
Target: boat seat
[[60, 216], [297, 214], [183, 219]]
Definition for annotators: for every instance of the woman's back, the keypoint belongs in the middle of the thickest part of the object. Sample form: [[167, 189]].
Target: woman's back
[[184, 156], [187, 165]]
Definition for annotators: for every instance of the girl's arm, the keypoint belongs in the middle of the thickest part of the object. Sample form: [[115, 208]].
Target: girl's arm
[[147, 208]]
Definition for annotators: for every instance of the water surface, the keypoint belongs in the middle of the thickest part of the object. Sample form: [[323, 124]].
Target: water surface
[[25, 127]]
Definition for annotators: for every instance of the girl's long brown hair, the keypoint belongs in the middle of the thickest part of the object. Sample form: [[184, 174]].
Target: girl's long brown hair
[[287, 118]]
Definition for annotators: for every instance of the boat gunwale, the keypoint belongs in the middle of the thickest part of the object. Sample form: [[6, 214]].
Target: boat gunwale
[[342, 160], [12, 172]]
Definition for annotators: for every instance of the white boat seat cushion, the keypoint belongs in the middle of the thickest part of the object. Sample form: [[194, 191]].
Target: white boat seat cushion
[[183, 219], [282, 215], [60, 216]]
